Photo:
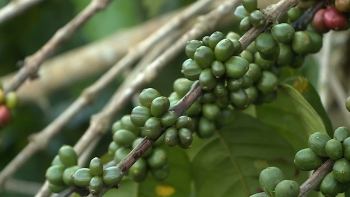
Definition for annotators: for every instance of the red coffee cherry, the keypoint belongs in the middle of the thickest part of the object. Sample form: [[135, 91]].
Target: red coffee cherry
[[5, 115], [318, 22], [334, 19]]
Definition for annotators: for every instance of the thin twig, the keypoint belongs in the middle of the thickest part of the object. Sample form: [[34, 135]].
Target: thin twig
[[32, 63], [315, 178], [16, 7], [22, 187], [40, 140], [324, 63]]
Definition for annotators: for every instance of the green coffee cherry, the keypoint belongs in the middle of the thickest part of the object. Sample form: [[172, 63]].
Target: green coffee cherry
[[266, 44], [288, 188], [298, 61], [139, 115], [240, 13], [185, 136], [158, 158], [346, 148], [250, 5], [137, 142], [247, 55], [191, 70], [182, 86], [254, 72], [174, 98], [54, 174], [205, 41], [257, 19], [171, 136], [121, 153], [283, 32], [95, 185], [286, 55], [96, 167], [207, 79], [82, 177], [207, 97], [217, 68], [269, 178], [317, 143], [220, 89], [113, 147], [184, 122], [56, 161], [245, 24], [341, 133], [235, 84], [128, 125], [147, 95], [210, 111], [301, 43], [153, 127], [68, 156], [329, 185], [57, 188], [239, 98], [159, 141], [233, 35], [112, 176], [204, 56], [195, 108], [307, 160], [236, 67], [238, 46], [11, 100], [124, 137], [334, 149], [263, 63], [252, 93], [162, 173], [261, 194], [294, 13], [251, 48], [159, 106], [68, 175], [206, 128], [138, 171], [117, 126], [247, 82], [316, 41], [268, 82], [341, 170], [191, 47], [168, 119], [215, 38], [224, 49], [347, 104]]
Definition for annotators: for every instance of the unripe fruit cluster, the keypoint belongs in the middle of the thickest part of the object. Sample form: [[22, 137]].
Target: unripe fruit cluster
[[322, 147], [273, 183], [7, 102], [64, 173]]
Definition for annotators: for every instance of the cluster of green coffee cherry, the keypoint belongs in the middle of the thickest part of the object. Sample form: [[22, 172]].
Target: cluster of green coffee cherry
[[273, 183], [322, 147], [7, 102], [64, 173]]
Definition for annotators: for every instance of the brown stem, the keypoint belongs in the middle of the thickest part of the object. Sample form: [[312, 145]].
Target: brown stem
[[306, 18], [32, 63], [15, 8], [316, 178]]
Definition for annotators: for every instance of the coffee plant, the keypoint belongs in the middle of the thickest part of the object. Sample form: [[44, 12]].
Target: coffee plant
[[242, 120]]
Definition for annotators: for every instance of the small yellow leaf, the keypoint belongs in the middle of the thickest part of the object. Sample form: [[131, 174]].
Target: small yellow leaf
[[164, 191]]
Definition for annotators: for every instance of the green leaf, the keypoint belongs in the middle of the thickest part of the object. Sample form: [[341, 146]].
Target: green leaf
[[178, 183], [230, 164], [307, 90], [291, 116]]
